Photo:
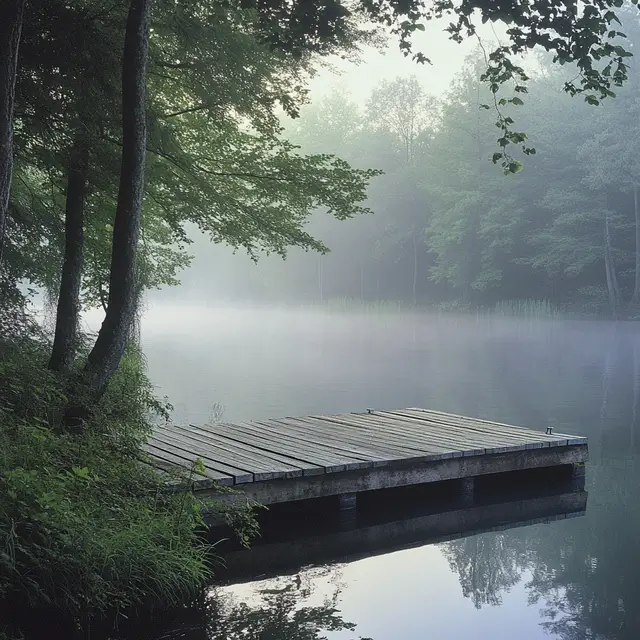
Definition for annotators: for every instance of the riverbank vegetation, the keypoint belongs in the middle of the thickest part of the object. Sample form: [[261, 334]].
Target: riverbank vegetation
[[525, 308], [122, 124]]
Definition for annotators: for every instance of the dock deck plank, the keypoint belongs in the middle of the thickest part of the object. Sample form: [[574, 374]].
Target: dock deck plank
[[264, 437], [310, 448]]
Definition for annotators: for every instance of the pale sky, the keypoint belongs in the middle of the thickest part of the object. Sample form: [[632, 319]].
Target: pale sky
[[447, 58]]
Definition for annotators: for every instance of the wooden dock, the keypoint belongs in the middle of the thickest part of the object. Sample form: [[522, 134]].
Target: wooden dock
[[289, 459]]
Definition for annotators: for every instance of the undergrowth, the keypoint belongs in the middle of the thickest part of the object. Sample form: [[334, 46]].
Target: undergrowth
[[86, 528]]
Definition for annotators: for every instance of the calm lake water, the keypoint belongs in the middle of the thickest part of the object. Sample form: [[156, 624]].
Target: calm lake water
[[569, 579]]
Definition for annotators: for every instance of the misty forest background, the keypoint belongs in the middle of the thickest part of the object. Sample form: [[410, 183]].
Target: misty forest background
[[449, 229]]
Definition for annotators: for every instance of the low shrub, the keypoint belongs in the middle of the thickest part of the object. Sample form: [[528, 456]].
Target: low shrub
[[86, 527]]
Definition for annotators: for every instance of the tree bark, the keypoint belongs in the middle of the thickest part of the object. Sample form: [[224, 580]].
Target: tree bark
[[321, 278], [11, 16], [607, 373], [107, 352], [612, 281], [634, 412], [415, 267], [68, 310], [636, 208]]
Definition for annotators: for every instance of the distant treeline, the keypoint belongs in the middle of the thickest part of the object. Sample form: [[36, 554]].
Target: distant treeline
[[448, 226]]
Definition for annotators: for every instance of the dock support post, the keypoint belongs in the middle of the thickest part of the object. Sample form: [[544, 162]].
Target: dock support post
[[578, 470], [347, 501], [467, 491]]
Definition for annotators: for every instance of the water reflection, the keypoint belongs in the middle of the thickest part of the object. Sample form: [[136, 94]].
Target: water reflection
[[301, 607], [487, 566], [568, 580], [291, 609], [387, 521], [272, 598]]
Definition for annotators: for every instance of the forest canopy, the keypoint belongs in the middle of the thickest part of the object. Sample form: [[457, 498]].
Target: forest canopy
[[448, 229]]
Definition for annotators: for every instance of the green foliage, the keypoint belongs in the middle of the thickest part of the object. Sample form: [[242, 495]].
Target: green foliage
[[561, 230], [85, 526], [216, 157], [218, 73]]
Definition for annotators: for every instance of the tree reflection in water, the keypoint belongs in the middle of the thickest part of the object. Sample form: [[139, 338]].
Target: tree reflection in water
[[487, 565], [583, 574], [279, 610]]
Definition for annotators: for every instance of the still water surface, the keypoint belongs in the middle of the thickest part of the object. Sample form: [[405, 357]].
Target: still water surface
[[571, 579]]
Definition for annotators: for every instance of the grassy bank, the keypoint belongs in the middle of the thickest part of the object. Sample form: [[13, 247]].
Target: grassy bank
[[87, 529]]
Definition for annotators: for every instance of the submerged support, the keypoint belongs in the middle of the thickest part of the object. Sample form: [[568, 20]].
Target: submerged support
[[347, 501], [467, 491], [578, 470]]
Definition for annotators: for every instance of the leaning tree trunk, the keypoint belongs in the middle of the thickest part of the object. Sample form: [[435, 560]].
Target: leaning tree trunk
[[636, 208], [122, 301], [11, 15], [68, 310]]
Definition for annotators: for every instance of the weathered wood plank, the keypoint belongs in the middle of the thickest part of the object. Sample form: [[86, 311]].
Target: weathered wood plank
[[391, 450], [269, 446], [363, 434], [433, 450], [406, 432], [239, 475], [262, 467], [326, 442], [252, 459], [220, 439], [384, 447], [167, 473], [417, 438], [485, 433], [327, 438], [291, 458], [516, 433], [480, 422], [186, 462], [331, 461], [398, 476], [471, 443]]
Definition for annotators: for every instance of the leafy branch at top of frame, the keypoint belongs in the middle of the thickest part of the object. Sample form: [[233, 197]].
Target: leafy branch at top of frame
[[587, 37]]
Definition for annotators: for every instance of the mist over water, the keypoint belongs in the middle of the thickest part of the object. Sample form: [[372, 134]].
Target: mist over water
[[567, 579], [265, 361]]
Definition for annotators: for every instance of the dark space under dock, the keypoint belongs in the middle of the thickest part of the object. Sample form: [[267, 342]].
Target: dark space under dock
[[412, 518], [289, 459]]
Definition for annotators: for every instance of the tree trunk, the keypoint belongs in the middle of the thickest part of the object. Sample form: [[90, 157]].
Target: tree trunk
[[636, 288], [610, 287], [105, 356], [607, 374], [415, 268], [634, 414], [321, 277], [11, 15], [68, 311], [612, 282]]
